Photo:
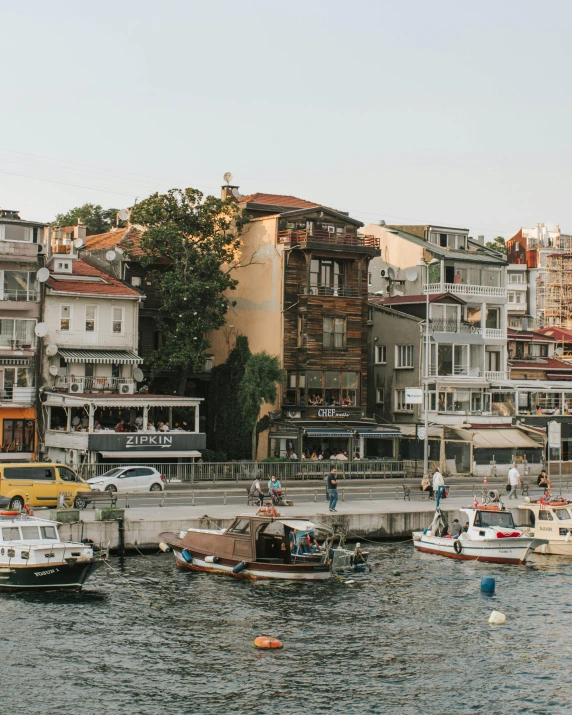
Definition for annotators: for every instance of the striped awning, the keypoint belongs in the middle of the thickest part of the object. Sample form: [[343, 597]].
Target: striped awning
[[328, 432], [101, 357], [14, 361], [378, 434]]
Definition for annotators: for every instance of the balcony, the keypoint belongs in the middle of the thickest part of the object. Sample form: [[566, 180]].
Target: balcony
[[464, 289], [96, 383], [496, 375], [457, 371], [79, 338], [20, 395], [462, 328], [305, 237], [21, 295], [335, 291]]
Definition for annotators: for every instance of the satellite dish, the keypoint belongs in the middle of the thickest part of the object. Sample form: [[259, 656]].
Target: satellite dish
[[119, 251], [51, 350], [41, 329], [235, 193], [42, 275], [79, 243], [391, 274], [123, 214], [54, 370], [411, 274], [227, 177], [110, 256], [138, 374], [559, 351]]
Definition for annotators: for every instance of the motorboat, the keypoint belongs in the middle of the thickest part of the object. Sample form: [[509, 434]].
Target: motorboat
[[32, 555], [264, 545], [491, 536], [552, 521]]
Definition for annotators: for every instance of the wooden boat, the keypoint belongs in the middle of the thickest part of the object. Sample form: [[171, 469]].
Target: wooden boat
[[33, 557], [552, 521], [253, 547], [491, 537]]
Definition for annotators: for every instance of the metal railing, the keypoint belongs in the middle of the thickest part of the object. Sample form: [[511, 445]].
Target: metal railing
[[89, 384], [341, 291], [465, 289], [457, 371], [320, 236], [19, 294], [94, 337], [13, 393], [247, 471]]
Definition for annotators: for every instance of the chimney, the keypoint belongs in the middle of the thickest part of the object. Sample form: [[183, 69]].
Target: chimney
[[229, 192], [481, 240], [80, 231]]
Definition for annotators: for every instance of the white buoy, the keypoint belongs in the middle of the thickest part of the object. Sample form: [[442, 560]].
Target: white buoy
[[164, 547], [497, 618]]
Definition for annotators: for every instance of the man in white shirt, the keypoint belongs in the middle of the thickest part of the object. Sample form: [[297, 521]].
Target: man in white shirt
[[438, 480], [514, 481]]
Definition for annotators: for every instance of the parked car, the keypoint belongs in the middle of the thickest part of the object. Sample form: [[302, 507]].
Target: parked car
[[38, 484], [128, 479]]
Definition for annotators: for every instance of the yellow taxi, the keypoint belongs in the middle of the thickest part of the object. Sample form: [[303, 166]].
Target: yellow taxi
[[39, 484]]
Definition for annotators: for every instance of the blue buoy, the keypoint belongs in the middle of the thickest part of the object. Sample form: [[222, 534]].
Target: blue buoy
[[186, 554], [239, 567], [487, 584]]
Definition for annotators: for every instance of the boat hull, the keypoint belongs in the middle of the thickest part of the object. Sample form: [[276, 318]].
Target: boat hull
[[555, 548], [257, 570], [499, 551], [52, 577]]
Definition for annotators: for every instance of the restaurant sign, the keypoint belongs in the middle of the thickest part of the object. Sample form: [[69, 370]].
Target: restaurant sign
[[331, 413], [141, 441]]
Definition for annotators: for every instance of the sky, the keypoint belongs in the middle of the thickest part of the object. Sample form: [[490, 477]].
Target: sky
[[442, 112]]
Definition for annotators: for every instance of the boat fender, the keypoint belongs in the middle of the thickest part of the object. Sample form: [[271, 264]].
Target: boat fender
[[10, 513], [239, 567], [458, 546], [211, 559], [164, 547], [267, 642], [497, 618], [488, 584], [186, 554]]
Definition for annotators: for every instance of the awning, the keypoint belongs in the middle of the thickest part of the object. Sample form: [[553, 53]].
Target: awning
[[328, 432], [562, 376], [101, 357], [300, 524], [143, 454], [14, 361], [376, 434], [435, 431], [509, 438]]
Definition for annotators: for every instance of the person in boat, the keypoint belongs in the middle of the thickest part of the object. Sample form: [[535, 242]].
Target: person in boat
[[466, 527], [513, 481], [274, 487], [256, 492], [426, 486], [543, 481], [314, 545], [455, 529]]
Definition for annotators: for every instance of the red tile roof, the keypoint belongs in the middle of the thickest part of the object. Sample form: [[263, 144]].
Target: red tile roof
[[542, 364], [278, 200], [126, 238], [560, 334], [109, 285], [528, 335]]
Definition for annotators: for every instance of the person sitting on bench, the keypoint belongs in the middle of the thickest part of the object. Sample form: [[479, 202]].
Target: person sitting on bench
[[256, 492]]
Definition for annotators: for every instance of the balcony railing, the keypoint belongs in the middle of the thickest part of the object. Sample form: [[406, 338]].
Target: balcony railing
[[335, 291], [93, 384], [465, 289], [495, 333], [458, 371], [496, 375], [19, 294], [302, 236], [14, 393], [96, 338], [454, 326]]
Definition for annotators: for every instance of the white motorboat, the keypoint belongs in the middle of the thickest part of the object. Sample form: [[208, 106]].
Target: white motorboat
[[552, 521], [491, 536]]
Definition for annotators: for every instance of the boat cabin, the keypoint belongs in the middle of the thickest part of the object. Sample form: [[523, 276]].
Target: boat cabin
[[550, 521], [480, 519]]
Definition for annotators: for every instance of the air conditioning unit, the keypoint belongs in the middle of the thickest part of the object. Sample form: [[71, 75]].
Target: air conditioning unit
[[127, 389], [76, 386], [294, 414], [41, 249]]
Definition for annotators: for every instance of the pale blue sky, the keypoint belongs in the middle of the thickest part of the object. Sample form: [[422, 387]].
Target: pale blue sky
[[412, 111]]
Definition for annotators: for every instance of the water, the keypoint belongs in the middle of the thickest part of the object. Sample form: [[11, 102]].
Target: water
[[414, 644]]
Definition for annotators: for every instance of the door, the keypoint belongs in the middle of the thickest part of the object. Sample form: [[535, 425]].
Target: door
[[91, 324], [128, 481], [144, 477]]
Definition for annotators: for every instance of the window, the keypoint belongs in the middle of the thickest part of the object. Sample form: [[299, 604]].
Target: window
[[12, 232], [369, 278], [400, 404], [30, 532], [65, 318], [326, 276], [117, 320], [562, 514], [515, 297], [493, 318], [48, 532], [241, 526], [538, 350], [11, 534], [515, 278], [332, 384], [17, 333], [380, 354], [379, 396], [17, 435], [19, 285], [403, 356], [545, 515], [443, 240], [91, 318], [63, 267], [302, 339], [67, 475], [335, 333], [329, 388], [349, 388]]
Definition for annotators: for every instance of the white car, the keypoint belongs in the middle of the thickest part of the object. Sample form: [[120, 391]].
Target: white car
[[128, 479]]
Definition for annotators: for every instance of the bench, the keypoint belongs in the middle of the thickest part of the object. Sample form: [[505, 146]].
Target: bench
[[403, 491], [95, 497]]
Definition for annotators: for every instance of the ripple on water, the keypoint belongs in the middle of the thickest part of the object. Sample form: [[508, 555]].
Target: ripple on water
[[411, 644]]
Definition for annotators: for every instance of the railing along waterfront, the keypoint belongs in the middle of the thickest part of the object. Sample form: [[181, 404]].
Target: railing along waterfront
[[247, 471], [343, 239]]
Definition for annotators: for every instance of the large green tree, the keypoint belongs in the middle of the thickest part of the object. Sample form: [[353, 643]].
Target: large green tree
[[258, 386], [226, 430], [200, 238], [96, 218], [497, 244]]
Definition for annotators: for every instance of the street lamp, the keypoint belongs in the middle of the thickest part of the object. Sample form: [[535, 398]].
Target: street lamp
[[422, 263]]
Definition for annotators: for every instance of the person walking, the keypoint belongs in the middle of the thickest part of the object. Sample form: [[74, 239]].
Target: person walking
[[332, 489], [514, 481]]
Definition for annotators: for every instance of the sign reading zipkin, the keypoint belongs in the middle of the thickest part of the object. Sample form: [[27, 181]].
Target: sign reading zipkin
[[164, 441]]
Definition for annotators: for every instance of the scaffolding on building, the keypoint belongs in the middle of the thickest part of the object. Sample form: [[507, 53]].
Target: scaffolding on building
[[554, 288]]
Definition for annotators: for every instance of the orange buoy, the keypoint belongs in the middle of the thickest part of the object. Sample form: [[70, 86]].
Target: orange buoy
[[10, 513], [267, 642]]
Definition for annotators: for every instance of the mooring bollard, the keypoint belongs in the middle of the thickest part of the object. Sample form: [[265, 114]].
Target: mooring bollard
[[164, 497], [224, 502], [315, 496], [343, 495], [192, 498], [370, 496]]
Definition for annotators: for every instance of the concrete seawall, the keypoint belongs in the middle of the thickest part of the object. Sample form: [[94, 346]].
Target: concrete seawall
[[381, 519]]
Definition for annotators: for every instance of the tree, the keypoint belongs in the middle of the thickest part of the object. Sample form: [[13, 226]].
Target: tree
[[201, 241], [258, 385], [497, 244], [226, 432], [96, 218]]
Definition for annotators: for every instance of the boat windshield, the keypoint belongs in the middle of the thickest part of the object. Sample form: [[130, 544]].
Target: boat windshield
[[494, 518], [240, 526], [562, 514], [11, 533]]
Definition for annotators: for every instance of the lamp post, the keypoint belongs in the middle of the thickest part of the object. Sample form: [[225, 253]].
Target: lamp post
[[432, 262]]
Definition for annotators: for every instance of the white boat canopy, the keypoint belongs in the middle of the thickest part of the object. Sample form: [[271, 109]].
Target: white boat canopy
[[299, 524]]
